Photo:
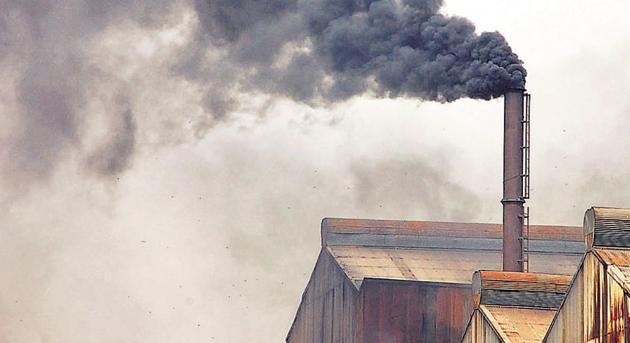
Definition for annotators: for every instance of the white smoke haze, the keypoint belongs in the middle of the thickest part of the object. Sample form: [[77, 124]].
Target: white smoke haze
[[148, 195]]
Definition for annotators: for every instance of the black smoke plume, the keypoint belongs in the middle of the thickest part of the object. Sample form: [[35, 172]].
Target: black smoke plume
[[329, 50], [317, 52]]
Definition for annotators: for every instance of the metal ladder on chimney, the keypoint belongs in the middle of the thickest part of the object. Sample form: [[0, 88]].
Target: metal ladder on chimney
[[525, 179]]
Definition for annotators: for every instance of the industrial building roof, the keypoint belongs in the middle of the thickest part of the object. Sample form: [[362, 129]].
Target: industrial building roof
[[440, 251], [435, 265], [519, 325]]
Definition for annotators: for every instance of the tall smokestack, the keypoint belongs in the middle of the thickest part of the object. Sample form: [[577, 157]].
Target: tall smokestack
[[513, 197]]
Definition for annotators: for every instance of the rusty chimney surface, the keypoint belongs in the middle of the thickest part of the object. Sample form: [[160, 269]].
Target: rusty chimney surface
[[513, 200]]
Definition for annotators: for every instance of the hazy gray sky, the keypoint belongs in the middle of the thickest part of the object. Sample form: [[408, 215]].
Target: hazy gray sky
[[134, 210]]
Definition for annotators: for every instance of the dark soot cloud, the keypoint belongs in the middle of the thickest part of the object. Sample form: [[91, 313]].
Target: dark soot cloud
[[316, 52], [350, 47]]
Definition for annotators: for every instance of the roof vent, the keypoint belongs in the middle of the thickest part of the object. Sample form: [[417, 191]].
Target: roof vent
[[531, 290], [607, 227]]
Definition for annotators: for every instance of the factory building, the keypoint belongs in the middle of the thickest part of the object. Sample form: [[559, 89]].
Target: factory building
[[411, 281], [416, 281]]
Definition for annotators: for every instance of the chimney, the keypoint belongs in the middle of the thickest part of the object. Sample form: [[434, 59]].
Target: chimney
[[513, 180]]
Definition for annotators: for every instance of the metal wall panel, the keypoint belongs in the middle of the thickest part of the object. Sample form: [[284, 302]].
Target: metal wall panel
[[327, 312], [419, 312], [595, 309], [480, 331], [594, 297], [568, 324], [616, 322], [488, 334]]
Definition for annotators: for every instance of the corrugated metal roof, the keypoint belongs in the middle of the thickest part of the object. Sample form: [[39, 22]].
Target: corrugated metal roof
[[519, 325], [607, 227], [435, 265], [529, 299], [520, 289], [617, 257]]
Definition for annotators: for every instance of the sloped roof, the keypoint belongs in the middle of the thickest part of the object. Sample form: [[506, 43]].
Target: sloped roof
[[435, 265], [618, 264], [440, 251], [518, 325], [613, 257]]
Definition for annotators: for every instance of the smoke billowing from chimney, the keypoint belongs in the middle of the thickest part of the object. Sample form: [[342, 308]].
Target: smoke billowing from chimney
[[329, 50], [316, 52]]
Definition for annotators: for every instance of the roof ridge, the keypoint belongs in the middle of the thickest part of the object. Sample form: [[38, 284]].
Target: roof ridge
[[380, 230]]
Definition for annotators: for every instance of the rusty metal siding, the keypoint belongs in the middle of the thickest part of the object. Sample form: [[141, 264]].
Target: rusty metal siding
[[470, 329], [479, 330], [616, 316], [327, 312], [594, 297], [419, 312], [488, 335], [567, 326], [596, 307], [568, 323]]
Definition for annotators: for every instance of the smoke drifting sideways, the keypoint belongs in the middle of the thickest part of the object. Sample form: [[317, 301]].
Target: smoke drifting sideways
[[323, 51], [52, 87], [315, 52]]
